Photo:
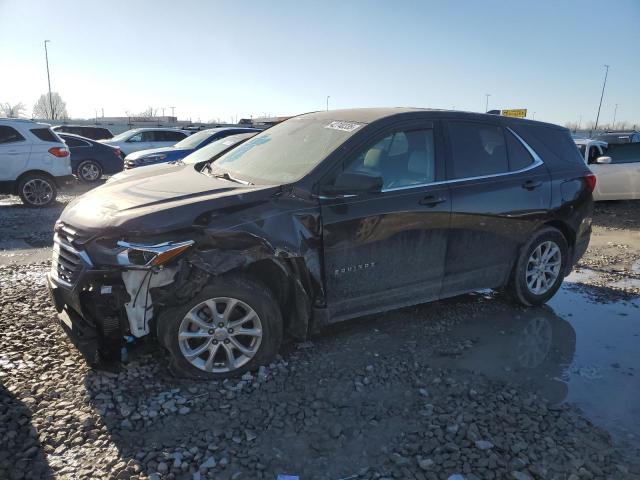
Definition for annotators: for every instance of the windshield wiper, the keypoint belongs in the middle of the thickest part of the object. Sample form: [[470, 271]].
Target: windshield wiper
[[226, 176]]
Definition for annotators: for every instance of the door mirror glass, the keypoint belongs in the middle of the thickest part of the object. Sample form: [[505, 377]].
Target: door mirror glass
[[603, 160], [351, 183]]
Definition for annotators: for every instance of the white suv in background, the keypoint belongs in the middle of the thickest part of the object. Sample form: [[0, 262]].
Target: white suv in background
[[145, 138], [34, 161]]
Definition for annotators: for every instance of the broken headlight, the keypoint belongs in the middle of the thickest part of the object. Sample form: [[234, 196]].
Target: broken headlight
[[144, 256]]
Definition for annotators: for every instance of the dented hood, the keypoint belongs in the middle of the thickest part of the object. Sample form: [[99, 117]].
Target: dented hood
[[164, 199]]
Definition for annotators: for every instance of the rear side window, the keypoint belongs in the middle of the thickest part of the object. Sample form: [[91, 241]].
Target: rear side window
[[45, 134], [169, 136], [9, 135], [519, 156], [477, 150], [75, 142]]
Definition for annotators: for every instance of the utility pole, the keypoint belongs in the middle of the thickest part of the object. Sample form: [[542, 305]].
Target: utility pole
[[486, 104], [173, 111], [162, 108], [604, 84], [46, 56], [613, 127], [534, 116], [328, 97], [579, 122]]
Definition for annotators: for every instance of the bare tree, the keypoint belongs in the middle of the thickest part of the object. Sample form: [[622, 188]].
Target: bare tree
[[12, 111], [43, 108]]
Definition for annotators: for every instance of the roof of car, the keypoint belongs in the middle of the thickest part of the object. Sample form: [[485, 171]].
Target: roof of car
[[146, 129], [80, 126], [586, 141], [369, 115], [22, 120]]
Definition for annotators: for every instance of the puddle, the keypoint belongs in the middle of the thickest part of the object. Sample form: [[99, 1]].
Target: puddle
[[572, 350], [582, 275]]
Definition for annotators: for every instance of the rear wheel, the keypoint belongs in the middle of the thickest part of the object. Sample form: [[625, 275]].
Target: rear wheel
[[540, 268], [37, 190], [89, 171], [232, 326]]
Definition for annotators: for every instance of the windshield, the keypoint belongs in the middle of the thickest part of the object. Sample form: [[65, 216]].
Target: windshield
[[288, 151], [216, 148], [192, 141]]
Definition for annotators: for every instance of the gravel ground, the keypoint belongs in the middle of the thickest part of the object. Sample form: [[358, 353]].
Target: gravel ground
[[380, 397]]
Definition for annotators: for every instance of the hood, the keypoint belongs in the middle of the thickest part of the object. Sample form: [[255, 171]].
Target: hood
[[158, 199], [163, 150]]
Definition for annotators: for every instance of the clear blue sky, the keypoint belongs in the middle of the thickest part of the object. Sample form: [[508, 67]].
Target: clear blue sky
[[226, 58]]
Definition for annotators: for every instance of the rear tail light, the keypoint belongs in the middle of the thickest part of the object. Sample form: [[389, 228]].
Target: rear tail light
[[59, 152], [590, 179]]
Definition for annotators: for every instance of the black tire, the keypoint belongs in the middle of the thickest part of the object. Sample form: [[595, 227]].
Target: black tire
[[518, 288], [244, 288], [31, 183], [82, 172]]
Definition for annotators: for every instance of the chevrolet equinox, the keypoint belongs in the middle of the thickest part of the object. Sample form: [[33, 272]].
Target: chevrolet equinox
[[324, 217]]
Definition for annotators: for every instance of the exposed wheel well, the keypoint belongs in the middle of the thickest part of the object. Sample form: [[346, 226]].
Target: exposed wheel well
[[569, 234]]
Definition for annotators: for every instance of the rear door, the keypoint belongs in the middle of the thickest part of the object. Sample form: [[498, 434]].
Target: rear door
[[620, 179], [14, 152], [500, 193], [386, 249]]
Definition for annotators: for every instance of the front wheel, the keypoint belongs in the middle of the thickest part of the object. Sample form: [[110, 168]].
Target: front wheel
[[538, 272], [233, 325], [37, 190]]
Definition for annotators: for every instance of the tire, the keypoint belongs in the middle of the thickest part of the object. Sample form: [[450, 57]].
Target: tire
[[37, 190], [528, 284], [182, 335], [89, 171]]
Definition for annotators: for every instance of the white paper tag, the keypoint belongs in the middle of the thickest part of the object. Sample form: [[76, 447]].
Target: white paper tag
[[344, 126]]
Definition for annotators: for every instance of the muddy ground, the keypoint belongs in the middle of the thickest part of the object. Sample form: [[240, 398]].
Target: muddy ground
[[471, 386]]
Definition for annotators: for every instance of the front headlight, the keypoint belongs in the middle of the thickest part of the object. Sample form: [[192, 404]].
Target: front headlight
[[146, 256]]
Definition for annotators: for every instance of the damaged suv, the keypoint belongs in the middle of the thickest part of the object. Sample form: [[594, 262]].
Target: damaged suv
[[324, 217]]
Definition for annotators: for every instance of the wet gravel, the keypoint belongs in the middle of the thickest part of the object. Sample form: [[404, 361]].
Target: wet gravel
[[361, 402], [374, 398]]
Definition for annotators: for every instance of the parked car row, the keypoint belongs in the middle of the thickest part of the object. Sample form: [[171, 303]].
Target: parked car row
[[324, 217], [35, 159]]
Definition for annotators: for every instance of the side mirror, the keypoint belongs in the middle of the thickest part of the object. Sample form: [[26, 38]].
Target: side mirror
[[351, 183], [603, 160]]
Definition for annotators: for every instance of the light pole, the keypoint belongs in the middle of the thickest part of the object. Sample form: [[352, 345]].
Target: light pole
[[604, 84], [615, 110], [328, 97], [173, 111], [534, 116], [486, 104], [46, 56]]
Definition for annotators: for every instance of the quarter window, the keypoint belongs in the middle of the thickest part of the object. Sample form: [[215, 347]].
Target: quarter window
[[402, 159], [9, 135], [477, 150], [45, 134], [519, 156]]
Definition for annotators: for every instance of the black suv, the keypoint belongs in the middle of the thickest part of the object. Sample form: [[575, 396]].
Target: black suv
[[94, 133], [324, 217]]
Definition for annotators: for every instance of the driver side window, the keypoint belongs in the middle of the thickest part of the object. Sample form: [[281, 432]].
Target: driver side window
[[402, 159]]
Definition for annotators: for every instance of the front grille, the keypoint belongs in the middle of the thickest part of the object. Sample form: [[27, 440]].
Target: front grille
[[68, 260]]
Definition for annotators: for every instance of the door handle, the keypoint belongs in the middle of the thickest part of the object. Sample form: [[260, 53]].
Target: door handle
[[531, 184], [432, 201]]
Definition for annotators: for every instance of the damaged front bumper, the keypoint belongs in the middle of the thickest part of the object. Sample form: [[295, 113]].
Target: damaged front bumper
[[98, 307]]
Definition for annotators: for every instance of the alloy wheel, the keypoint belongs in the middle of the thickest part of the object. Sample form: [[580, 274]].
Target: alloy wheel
[[220, 335], [543, 267], [37, 191], [89, 172]]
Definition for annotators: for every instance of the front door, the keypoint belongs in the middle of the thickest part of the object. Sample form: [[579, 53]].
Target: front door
[[500, 193], [386, 249]]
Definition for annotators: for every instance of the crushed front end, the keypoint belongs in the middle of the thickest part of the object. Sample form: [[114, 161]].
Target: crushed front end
[[107, 290]]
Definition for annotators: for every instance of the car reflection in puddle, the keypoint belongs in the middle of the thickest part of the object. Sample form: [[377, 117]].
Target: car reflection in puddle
[[573, 350]]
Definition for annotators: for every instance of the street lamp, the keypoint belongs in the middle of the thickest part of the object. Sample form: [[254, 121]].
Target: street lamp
[[604, 84], [486, 105], [46, 56], [328, 97], [613, 126]]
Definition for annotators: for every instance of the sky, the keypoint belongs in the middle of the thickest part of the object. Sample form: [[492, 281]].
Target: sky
[[234, 59]]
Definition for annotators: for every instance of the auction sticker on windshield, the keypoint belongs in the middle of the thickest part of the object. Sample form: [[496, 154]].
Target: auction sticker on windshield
[[344, 126]]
